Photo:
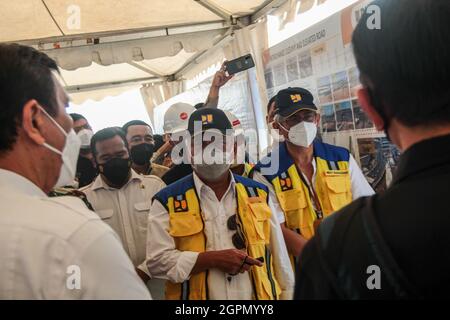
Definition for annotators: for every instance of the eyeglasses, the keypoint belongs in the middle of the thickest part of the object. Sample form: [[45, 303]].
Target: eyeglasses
[[306, 115], [238, 237]]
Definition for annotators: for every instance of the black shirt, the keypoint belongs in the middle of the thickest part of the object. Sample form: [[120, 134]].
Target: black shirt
[[413, 220]]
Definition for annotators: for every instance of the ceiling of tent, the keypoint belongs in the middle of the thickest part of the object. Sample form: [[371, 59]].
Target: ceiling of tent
[[126, 42], [36, 19]]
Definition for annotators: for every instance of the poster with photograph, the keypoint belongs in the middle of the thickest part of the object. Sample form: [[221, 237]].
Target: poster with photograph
[[362, 121], [269, 79], [292, 69], [340, 86], [324, 90], [353, 79], [305, 63], [328, 118], [327, 68], [378, 159], [344, 116], [279, 75]]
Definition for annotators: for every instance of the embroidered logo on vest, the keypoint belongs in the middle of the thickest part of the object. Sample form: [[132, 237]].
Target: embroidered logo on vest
[[180, 203], [286, 182]]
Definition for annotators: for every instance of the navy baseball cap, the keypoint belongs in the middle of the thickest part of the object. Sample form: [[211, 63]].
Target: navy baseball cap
[[292, 100], [211, 118]]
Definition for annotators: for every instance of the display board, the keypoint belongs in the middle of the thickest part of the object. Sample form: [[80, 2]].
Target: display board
[[321, 60]]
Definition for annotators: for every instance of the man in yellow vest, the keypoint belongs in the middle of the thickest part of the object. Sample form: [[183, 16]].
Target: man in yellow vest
[[212, 234], [307, 178]]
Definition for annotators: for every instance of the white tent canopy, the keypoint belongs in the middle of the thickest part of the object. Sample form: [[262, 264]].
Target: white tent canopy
[[109, 45]]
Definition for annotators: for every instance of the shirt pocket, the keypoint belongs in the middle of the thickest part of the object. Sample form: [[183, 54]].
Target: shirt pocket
[[142, 211], [105, 214], [293, 202], [339, 185]]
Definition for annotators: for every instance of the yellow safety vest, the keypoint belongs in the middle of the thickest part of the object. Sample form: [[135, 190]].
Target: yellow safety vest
[[186, 226], [332, 186]]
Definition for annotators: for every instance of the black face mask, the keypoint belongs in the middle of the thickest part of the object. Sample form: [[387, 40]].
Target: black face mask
[[86, 172], [116, 170], [142, 153]]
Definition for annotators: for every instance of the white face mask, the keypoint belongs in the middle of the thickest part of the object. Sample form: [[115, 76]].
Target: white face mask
[[85, 136], [275, 133], [303, 134], [69, 155], [213, 171]]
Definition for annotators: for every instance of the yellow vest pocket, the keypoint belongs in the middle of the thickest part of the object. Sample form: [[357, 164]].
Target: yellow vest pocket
[[338, 184], [261, 220], [293, 202]]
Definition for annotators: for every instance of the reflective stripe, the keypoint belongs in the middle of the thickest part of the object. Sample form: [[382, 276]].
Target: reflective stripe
[[333, 165], [251, 192], [269, 272]]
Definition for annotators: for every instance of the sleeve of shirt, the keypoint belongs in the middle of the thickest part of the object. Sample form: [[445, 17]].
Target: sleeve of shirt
[[143, 266], [164, 261], [258, 177], [282, 264], [360, 186], [107, 272]]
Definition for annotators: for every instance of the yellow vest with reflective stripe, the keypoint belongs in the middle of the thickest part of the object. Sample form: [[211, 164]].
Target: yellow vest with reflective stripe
[[332, 186], [186, 226]]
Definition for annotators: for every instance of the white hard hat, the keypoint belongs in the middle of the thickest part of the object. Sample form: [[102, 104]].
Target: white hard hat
[[177, 116], [235, 122]]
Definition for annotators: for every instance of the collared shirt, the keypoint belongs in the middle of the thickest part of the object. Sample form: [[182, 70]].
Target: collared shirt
[[360, 186], [166, 262], [45, 243], [126, 210]]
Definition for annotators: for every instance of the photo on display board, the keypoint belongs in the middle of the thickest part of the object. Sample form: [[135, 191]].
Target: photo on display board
[[269, 79], [324, 90], [328, 118], [344, 116], [362, 121], [305, 63], [292, 69], [340, 86], [378, 159], [353, 79], [279, 75]]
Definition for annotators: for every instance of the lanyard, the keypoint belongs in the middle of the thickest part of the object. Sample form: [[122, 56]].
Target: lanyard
[[312, 194]]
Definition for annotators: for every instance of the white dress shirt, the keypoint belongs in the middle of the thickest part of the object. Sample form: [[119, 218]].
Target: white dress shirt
[[55, 248], [360, 186], [126, 210], [165, 261]]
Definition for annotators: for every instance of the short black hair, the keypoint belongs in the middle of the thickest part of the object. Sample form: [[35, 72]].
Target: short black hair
[[134, 123], [77, 116], [25, 74], [105, 134], [272, 100], [406, 64]]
